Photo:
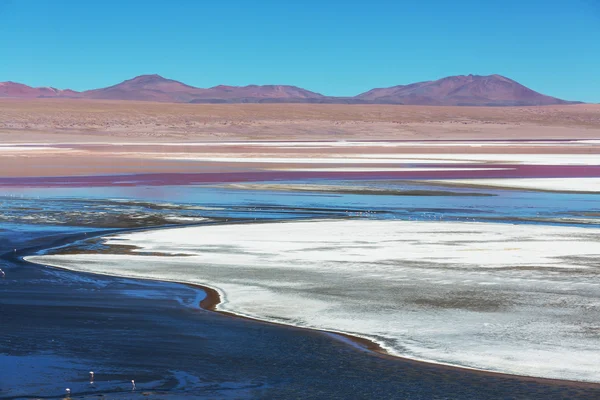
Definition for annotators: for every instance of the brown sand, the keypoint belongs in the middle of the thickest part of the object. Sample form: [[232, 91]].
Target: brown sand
[[53, 120], [78, 124]]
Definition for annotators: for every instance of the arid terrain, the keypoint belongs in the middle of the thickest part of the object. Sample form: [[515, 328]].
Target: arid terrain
[[54, 120], [178, 138]]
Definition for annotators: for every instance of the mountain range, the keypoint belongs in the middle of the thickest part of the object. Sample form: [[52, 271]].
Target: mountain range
[[461, 90]]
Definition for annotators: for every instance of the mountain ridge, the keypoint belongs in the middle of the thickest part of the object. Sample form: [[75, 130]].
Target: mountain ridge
[[459, 90]]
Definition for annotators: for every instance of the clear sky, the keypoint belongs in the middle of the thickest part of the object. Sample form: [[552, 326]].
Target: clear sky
[[329, 46]]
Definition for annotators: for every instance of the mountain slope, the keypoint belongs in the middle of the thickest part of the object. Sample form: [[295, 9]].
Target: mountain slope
[[475, 90], [157, 88], [18, 90], [146, 88], [257, 94]]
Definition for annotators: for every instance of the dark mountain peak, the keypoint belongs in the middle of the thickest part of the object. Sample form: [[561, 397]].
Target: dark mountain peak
[[274, 86], [149, 78], [476, 78], [223, 87], [466, 78]]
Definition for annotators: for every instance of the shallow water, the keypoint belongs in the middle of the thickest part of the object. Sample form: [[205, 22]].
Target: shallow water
[[127, 329], [219, 202], [519, 299]]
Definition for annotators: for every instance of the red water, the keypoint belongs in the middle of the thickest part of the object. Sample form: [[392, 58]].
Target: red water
[[161, 179]]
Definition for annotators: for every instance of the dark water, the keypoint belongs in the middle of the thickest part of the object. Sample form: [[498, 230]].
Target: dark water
[[162, 201], [56, 326]]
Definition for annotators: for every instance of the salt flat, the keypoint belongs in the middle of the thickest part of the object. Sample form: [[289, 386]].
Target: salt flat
[[520, 299], [385, 169], [530, 159], [591, 185]]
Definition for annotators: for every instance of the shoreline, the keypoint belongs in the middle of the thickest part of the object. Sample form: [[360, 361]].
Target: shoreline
[[213, 299]]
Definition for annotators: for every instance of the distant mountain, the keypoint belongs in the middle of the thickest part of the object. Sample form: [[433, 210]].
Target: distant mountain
[[257, 94], [157, 88], [471, 90], [146, 88], [13, 89]]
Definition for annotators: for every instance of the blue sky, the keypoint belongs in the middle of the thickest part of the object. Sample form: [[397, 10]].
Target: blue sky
[[329, 46]]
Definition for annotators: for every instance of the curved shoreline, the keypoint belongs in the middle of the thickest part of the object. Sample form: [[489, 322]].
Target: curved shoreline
[[213, 299]]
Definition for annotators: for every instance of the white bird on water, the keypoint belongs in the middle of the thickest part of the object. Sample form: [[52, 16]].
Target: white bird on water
[[68, 391], [132, 384], [91, 376], [2, 274]]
